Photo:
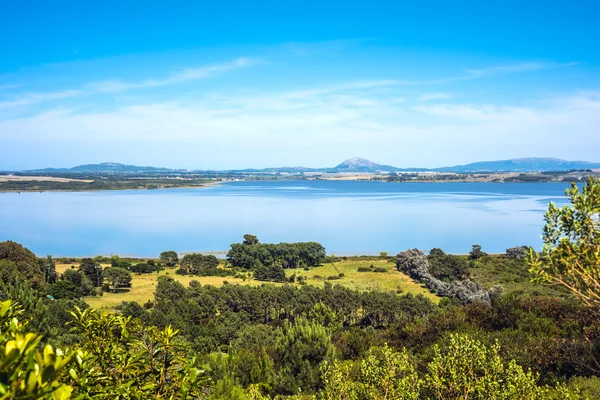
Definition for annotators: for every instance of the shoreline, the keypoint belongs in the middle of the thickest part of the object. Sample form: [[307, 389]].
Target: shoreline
[[203, 185], [217, 183]]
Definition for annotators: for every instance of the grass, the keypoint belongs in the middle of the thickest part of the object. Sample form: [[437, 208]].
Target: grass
[[390, 281], [513, 275], [143, 285]]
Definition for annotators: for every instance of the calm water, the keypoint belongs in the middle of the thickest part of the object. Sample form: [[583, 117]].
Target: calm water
[[346, 217]]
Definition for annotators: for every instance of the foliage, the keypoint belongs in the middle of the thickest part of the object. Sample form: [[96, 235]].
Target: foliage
[[63, 290], [198, 264], [270, 273], [169, 257], [416, 265], [383, 374], [466, 369], [251, 254], [25, 371], [20, 263], [119, 358], [118, 277], [476, 252], [446, 267], [302, 347], [92, 270], [83, 284], [571, 254]]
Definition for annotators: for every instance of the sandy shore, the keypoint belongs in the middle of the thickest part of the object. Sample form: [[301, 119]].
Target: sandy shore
[[21, 178]]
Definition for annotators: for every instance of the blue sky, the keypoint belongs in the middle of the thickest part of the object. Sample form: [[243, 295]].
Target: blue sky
[[258, 84]]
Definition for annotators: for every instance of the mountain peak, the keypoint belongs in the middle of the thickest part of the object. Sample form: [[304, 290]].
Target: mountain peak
[[356, 163]]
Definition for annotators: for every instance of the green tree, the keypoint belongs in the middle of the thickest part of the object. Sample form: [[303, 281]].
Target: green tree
[[49, 269], [118, 277], [476, 252], [571, 253], [383, 374], [64, 290], [169, 257], [80, 280], [27, 369], [121, 359], [23, 263], [302, 347], [467, 369], [92, 270], [250, 240]]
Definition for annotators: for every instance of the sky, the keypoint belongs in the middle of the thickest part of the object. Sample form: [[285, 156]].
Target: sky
[[226, 85]]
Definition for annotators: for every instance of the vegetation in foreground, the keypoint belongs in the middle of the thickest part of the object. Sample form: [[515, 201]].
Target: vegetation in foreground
[[305, 341]]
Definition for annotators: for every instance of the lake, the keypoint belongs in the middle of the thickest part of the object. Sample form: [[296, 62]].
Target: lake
[[347, 217]]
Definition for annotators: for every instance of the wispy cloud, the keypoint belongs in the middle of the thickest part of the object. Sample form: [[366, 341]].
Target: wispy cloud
[[520, 67], [185, 75], [113, 86], [32, 98], [327, 123]]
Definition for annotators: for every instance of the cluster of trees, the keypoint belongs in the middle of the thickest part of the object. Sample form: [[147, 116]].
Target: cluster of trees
[[198, 264], [268, 260]]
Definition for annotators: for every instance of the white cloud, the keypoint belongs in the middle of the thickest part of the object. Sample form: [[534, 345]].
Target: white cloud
[[519, 67], [113, 86], [32, 98], [341, 119], [185, 75]]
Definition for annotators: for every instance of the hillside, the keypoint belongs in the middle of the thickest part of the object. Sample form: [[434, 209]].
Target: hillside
[[356, 164], [521, 165], [105, 167]]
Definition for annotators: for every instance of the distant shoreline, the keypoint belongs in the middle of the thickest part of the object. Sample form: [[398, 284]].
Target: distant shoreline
[[31, 184]]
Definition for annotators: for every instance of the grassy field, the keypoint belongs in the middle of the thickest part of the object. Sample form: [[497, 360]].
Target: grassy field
[[143, 286]]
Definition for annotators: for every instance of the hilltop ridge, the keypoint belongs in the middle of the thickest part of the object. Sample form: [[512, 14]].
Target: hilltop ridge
[[357, 164]]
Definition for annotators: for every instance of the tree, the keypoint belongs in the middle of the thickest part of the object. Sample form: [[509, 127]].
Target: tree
[[169, 257], [302, 347], [571, 253], [64, 290], [466, 369], [382, 374], [118, 277], [80, 280], [49, 269], [476, 252], [92, 270], [270, 273], [250, 240], [198, 264], [25, 265]]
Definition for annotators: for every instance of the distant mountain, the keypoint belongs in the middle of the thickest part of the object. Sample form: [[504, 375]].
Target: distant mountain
[[358, 164], [106, 167], [521, 165]]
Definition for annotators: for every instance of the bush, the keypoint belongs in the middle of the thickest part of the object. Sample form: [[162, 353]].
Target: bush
[[364, 269], [380, 269]]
